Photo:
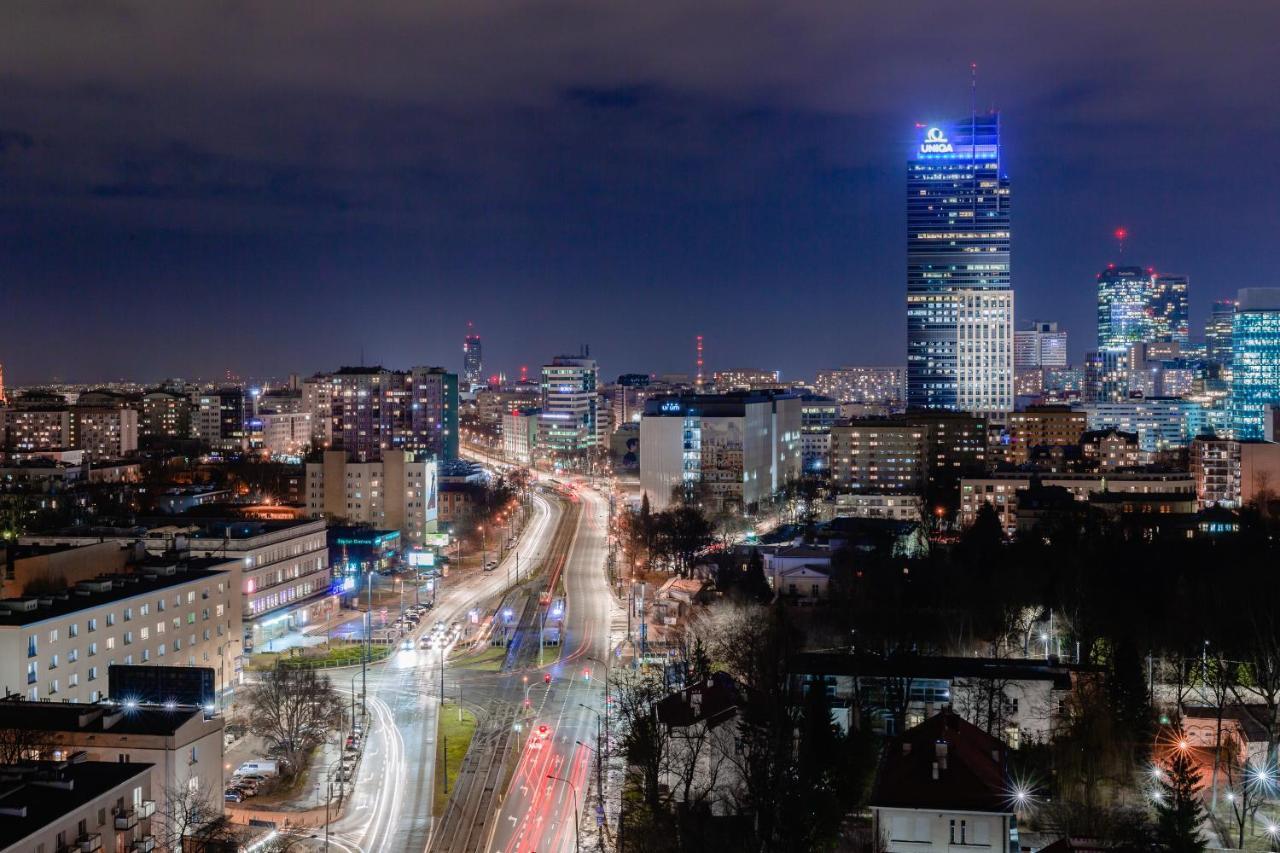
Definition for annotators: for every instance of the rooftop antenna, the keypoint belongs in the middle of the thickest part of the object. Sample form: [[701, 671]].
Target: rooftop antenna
[[1121, 234], [973, 137], [698, 378]]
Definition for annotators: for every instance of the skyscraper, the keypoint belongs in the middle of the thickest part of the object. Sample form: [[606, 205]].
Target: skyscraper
[[959, 292], [1170, 320], [1217, 332], [1124, 298], [472, 363], [1255, 361]]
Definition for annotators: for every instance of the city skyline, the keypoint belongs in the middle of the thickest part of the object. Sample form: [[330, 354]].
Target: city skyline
[[628, 199]]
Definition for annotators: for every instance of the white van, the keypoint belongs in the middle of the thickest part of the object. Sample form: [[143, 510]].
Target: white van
[[261, 767]]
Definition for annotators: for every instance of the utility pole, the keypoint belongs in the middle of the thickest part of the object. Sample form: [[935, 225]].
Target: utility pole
[[368, 646]]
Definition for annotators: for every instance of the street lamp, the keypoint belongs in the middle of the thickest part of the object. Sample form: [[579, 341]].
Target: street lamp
[[576, 831]]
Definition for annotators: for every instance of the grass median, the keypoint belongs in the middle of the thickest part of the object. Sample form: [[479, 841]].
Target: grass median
[[453, 738]]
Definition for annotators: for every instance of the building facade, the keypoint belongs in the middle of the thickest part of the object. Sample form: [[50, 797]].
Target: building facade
[[169, 611], [567, 424], [1039, 345], [959, 290], [875, 385], [397, 492], [879, 456], [727, 451], [1255, 360]]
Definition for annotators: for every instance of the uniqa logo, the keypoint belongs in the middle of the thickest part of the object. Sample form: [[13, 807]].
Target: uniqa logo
[[935, 142]]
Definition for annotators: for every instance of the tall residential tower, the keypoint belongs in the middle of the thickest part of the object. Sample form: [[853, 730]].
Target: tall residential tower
[[959, 292]]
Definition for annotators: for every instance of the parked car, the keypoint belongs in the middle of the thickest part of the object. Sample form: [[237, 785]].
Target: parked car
[[233, 795]]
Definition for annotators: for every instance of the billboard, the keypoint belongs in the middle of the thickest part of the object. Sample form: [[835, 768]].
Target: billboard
[[184, 685], [422, 559]]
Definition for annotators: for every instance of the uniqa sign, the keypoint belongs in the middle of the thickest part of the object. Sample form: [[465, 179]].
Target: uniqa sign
[[935, 142]]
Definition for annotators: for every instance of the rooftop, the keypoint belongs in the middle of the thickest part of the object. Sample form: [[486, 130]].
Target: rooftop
[[153, 575], [943, 764], [100, 718], [34, 795]]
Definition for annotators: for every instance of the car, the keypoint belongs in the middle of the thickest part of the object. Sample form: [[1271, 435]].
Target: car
[[248, 788], [425, 643], [407, 645], [233, 795], [540, 735], [491, 565]]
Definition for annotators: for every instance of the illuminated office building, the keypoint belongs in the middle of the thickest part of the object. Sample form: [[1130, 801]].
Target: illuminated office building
[[1170, 321], [959, 293], [1217, 332], [1124, 296], [1255, 360]]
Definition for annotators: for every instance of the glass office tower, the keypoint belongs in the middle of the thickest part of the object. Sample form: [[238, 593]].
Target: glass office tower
[[1255, 361], [959, 293]]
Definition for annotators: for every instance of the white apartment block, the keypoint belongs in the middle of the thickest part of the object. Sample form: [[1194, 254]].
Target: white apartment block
[[286, 433], [519, 436], [398, 492], [58, 647], [78, 805]]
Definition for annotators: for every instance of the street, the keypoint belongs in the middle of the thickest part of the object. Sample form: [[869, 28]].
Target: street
[[391, 806]]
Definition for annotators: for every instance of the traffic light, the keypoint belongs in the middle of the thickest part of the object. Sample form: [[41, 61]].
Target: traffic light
[[586, 675]]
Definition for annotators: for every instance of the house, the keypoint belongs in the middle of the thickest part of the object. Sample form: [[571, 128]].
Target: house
[[941, 785], [677, 597], [803, 584], [704, 759]]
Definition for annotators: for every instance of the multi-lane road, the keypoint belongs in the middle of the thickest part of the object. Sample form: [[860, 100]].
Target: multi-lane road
[[390, 808]]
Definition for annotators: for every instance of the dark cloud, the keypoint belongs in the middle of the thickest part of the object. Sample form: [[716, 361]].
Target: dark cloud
[[623, 173]]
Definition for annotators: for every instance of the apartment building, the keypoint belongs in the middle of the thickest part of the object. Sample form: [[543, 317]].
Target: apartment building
[[879, 455], [76, 804], [1040, 426], [58, 647], [397, 492], [182, 743]]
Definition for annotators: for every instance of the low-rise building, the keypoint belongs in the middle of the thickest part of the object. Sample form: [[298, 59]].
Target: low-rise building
[[75, 804], [1001, 489], [878, 505], [182, 743]]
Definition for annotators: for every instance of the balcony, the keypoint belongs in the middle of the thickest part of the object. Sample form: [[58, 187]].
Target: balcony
[[147, 808], [89, 842], [126, 820], [145, 844]]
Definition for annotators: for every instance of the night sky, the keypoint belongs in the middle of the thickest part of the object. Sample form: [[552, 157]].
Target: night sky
[[268, 187]]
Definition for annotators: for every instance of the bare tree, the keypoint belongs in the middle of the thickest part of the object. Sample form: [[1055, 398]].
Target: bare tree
[[643, 740], [295, 709], [20, 743], [183, 812]]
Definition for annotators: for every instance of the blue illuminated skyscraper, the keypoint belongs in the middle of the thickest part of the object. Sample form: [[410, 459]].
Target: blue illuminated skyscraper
[[1255, 360], [959, 293]]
